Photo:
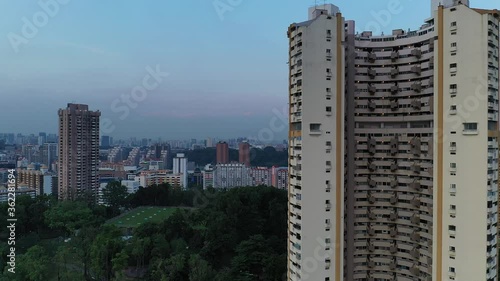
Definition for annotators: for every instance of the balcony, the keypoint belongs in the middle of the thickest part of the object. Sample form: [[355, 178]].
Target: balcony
[[372, 216], [415, 219], [394, 167], [393, 249], [372, 73], [372, 105], [372, 89], [416, 53], [415, 236], [372, 167], [415, 185], [372, 57], [416, 168], [394, 105], [417, 87], [394, 183], [394, 55], [416, 104], [372, 183], [416, 69], [393, 216], [394, 72], [394, 89]]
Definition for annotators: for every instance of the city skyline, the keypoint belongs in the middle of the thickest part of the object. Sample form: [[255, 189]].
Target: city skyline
[[211, 85]]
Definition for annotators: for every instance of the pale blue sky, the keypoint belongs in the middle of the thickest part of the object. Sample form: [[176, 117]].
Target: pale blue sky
[[227, 73]]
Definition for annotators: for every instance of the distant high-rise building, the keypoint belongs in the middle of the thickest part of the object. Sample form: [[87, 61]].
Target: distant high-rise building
[[222, 151], [42, 138], [244, 153], [134, 157], [394, 147], [231, 175], [208, 176], [48, 154], [280, 177], [260, 176], [148, 178], [180, 167], [209, 142], [52, 138], [30, 179], [105, 141], [78, 151]]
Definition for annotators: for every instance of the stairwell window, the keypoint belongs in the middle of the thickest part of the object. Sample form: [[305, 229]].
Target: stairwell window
[[453, 69], [453, 89], [470, 128]]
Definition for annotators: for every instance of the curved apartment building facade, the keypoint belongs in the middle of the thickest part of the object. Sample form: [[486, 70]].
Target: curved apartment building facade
[[394, 148]]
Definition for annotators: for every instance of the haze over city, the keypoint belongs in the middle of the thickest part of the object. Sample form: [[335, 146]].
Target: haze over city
[[227, 64]]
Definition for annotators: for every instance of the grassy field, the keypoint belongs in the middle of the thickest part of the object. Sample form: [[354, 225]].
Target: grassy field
[[140, 215]]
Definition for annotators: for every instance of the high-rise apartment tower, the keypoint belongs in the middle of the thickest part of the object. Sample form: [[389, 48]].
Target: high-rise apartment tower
[[78, 160], [222, 151], [394, 148]]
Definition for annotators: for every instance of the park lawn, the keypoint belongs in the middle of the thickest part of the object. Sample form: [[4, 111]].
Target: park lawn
[[138, 216]]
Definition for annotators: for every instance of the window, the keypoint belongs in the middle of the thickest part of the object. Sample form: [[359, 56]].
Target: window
[[328, 70], [314, 127], [453, 89], [328, 143], [328, 51], [452, 228], [328, 109], [453, 107], [327, 240], [328, 33], [454, 44], [328, 90], [453, 189], [328, 163], [453, 69], [454, 23], [470, 127], [453, 165]]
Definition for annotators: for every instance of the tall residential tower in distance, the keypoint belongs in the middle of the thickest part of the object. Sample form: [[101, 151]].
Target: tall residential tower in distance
[[78, 151], [244, 153], [222, 150], [180, 167], [394, 148]]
